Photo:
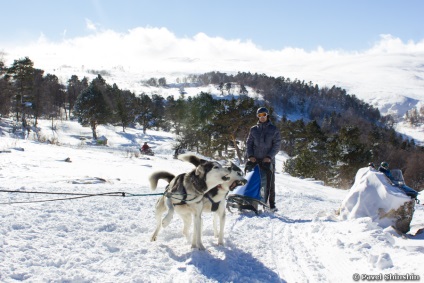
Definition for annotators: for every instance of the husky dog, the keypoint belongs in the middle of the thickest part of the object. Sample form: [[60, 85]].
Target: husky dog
[[187, 189], [214, 201]]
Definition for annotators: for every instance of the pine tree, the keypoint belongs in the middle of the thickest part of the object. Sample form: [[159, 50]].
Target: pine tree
[[124, 107], [92, 109], [243, 90], [42, 103], [158, 111], [144, 111], [73, 90], [353, 153], [232, 122], [22, 74], [6, 93]]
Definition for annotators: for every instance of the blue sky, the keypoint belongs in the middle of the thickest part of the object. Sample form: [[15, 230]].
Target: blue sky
[[271, 25], [372, 48]]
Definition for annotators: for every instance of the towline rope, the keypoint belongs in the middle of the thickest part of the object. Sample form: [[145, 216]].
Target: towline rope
[[74, 195]]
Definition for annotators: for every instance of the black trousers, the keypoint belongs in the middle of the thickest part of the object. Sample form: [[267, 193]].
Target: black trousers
[[269, 186]]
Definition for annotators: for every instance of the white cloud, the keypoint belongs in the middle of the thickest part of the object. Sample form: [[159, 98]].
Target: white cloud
[[90, 25], [391, 44]]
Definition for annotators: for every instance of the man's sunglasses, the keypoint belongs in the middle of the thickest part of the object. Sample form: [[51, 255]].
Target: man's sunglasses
[[262, 114]]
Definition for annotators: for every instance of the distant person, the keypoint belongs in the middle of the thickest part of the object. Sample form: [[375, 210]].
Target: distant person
[[371, 165], [384, 168], [145, 147], [146, 150], [263, 144]]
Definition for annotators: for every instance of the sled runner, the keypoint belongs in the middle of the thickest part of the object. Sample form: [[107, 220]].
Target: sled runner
[[247, 197]]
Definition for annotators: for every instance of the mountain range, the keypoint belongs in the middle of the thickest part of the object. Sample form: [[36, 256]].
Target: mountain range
[[392, 88]]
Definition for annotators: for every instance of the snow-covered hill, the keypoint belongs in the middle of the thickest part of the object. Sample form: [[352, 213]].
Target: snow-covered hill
[[392, 82], [393, 89], [106, 239]]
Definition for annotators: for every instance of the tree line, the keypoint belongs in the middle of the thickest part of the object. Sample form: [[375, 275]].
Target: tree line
[[336, 135], [415, 116]]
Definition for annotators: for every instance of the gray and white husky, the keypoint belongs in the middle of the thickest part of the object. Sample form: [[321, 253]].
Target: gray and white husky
[[189, 194]]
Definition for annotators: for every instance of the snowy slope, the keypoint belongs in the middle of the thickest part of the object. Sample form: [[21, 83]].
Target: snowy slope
[[392, 89], [106, 239], [392, 82]]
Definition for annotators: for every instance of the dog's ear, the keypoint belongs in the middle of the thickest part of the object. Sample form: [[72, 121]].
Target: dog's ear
[[200, 171], [202, 167], [203, 162]]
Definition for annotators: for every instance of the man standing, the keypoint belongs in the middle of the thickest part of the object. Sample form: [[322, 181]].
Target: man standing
[[263, 143]]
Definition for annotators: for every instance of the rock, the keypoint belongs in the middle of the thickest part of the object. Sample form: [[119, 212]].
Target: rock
[[372, 195]]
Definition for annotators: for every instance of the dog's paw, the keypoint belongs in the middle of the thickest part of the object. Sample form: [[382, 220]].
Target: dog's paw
[[200, 247]]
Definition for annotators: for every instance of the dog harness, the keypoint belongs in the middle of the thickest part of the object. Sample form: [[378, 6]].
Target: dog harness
[[178, 185], [179, 188], [215, 205]]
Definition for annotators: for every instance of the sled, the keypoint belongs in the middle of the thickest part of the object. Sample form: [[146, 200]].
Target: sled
[[147, 152], [247, 197]]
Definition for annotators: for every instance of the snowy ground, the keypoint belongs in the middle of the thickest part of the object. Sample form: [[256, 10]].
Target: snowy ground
[[106, 239], [416, 133]]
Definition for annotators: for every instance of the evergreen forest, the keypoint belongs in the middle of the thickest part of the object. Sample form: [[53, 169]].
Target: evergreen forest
[[334, 135]]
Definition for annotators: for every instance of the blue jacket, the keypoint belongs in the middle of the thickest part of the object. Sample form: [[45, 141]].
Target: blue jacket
[[264, 140], [387, 173]]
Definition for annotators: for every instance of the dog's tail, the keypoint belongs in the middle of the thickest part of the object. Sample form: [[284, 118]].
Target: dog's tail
[[189, 157], [155, 177]]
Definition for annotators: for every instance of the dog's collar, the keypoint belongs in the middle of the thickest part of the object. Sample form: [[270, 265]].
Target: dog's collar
[[214, 205]]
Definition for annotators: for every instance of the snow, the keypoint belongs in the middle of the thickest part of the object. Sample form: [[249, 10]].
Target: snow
[[411, 132], [106, 238]]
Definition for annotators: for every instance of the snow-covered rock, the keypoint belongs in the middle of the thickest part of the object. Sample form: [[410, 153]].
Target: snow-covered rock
[[373, 196]]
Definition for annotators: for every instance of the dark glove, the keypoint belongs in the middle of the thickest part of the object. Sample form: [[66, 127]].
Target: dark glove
[[267, 166], [249, 166]]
